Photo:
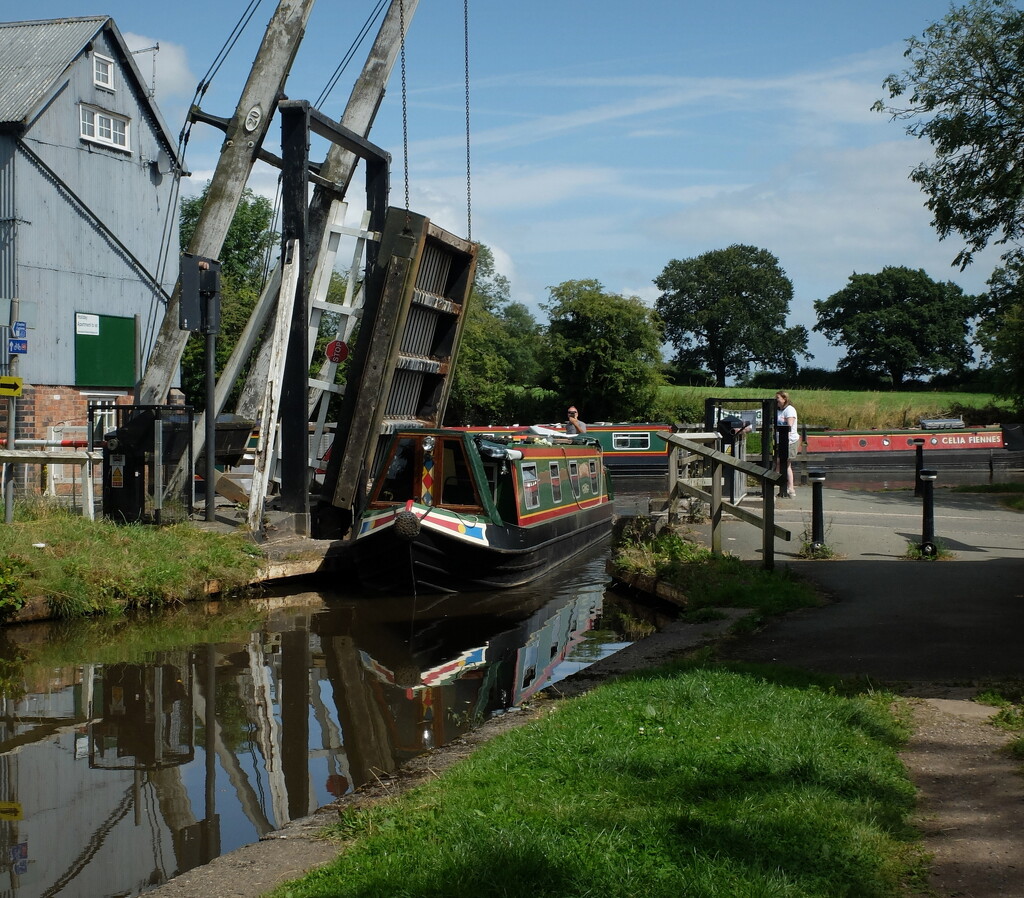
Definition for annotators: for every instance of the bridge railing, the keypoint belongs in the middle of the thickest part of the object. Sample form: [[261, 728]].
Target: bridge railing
[[688, 447]]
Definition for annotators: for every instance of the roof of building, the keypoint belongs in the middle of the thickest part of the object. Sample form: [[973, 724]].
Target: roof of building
[[34, 55]]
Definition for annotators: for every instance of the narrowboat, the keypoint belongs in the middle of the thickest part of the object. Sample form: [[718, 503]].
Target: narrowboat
[[451, 510], [942, 441], [629, 449]]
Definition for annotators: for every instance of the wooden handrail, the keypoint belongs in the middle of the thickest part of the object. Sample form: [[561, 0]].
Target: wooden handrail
[[693, 444]]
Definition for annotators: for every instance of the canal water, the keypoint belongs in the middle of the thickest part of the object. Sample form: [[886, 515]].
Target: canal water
[[133, 751]]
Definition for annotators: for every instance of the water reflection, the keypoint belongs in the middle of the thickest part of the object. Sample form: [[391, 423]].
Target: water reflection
[[131, 752]]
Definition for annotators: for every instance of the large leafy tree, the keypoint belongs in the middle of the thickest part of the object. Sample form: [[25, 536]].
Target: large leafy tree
[[898, 323], [964, 92], [243, 265], [604, 351], [727, 308], [1001, 331]]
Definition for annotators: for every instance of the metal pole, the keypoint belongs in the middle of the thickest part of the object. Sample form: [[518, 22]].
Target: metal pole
[[12, 425], [919, 450], [817, 479], [928, 546]]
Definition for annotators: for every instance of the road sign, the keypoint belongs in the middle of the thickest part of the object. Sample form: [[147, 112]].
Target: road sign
[[10, 386], [17, 347], [19, 330], [337, 351]]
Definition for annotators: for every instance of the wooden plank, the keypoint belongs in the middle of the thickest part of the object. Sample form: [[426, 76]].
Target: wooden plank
[[271, 407], [245, 135], [750, 517]]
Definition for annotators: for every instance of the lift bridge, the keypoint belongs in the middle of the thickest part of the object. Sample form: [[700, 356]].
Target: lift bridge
[[410, 312], [404, 321]]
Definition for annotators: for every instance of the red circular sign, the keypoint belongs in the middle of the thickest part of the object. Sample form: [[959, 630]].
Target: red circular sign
[[337, 351]]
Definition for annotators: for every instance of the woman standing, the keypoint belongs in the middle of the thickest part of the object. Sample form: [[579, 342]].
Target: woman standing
[[786, 417]]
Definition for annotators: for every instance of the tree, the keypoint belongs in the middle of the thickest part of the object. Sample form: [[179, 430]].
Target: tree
[[965, 94], [898, 323], [1001, 332], [727, 308], [243, 264], [604, 351]]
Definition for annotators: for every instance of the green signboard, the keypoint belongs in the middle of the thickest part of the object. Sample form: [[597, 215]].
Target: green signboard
[[104, 350]]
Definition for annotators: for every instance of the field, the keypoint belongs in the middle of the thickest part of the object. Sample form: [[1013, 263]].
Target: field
[[847, 409]]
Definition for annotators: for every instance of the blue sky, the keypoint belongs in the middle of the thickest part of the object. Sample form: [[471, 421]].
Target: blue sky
[[609, 138]]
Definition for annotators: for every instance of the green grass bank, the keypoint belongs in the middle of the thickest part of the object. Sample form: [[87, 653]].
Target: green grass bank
[[685, 780], [82, 567], [852, 409]]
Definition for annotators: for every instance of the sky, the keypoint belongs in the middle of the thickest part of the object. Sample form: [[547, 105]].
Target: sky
[[607, 138]]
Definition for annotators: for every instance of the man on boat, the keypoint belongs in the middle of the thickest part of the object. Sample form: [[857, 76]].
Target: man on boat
[[574, 425]]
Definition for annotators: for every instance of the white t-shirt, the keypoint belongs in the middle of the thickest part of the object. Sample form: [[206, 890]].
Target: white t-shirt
[[789, 412]]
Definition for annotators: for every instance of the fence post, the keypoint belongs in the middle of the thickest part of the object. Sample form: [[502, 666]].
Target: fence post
[[817, 479], [673, 483], [919, 464], [928, 547], [716, 506]]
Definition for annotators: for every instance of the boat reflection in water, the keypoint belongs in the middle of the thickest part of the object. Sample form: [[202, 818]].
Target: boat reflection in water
[[133, 752]]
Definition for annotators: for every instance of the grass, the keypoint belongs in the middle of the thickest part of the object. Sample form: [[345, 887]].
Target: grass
[[708, 580], [686, 780], [86, 567], [1009, 494], [1009, 699], [844, 409]]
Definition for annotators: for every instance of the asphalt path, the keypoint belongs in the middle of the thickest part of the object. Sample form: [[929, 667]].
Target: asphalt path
[[956, 620]]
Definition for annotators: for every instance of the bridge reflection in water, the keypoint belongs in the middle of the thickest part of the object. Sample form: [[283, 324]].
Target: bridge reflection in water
[[131, 752]]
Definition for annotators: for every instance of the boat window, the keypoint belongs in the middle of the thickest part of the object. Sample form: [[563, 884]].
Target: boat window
[[595, 485], [458, 480], [631, 441], [397, 483], [556, 482], [574, 478], [531, 486]]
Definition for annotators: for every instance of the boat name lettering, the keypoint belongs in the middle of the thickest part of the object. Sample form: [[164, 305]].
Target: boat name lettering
[[971, 440]]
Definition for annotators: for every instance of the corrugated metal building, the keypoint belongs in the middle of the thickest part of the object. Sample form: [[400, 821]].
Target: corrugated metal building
[[88, 216]]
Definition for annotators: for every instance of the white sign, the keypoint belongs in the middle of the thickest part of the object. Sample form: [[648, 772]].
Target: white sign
[[89, 325]]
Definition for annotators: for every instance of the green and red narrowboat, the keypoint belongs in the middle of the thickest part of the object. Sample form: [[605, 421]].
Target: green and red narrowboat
[[452, 510]]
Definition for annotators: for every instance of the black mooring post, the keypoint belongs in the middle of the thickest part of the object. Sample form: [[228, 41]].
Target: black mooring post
[[919, 450], [927, 478], [782, 451], [817, 479]]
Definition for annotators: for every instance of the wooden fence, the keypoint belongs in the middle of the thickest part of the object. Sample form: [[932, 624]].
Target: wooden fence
[[688, 448]]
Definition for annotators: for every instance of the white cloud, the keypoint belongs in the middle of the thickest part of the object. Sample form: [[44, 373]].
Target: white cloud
[[174, 78]]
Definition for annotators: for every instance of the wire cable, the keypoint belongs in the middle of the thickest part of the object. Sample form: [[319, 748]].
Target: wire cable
[[332, 82]]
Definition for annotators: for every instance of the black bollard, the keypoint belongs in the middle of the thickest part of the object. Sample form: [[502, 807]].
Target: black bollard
[[919, 450], [817, 479], [928, 548]]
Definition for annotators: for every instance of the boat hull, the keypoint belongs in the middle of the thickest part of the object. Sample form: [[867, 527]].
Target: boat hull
[[452, 554]]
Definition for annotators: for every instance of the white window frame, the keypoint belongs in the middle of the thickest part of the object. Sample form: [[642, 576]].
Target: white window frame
[[624, 442], [555, 475], [531, 486], [98, 126], [101, 64]]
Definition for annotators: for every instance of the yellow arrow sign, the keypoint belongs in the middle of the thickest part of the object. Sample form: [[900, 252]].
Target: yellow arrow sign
[[10, 386], [10, 810]]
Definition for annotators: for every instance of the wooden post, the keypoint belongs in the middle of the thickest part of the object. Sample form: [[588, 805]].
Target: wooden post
[[243, 142], [768, 530], [716, 507]]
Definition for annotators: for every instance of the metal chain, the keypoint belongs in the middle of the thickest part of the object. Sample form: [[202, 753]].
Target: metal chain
[[469, 181], [405, 108]]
